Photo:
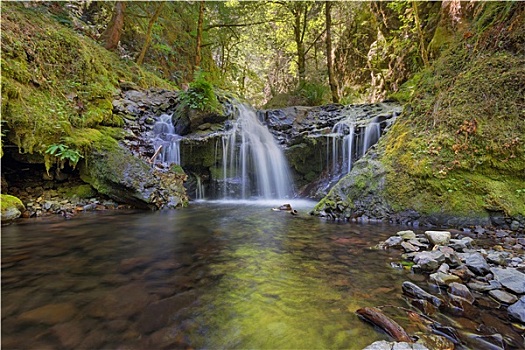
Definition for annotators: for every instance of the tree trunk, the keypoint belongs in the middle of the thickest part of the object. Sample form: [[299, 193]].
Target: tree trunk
[[422, 46], [151, 22], [199, 36], [331, 80], [113, 32], [376, 317], [299, 40]]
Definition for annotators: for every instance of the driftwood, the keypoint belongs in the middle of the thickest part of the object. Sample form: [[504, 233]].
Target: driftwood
[[152, 159], [377, 318]]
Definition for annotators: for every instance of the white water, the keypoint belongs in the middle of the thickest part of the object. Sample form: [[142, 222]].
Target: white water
[[164, 135], [253, 165]]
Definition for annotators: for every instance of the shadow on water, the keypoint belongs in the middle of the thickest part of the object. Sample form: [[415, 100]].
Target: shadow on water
[[216, 275]]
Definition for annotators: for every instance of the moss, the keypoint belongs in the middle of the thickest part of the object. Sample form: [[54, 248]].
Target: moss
[[56, 83], [81, 191], [8, 201], [177, 169]]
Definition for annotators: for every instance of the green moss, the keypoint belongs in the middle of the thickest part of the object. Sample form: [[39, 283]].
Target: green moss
[[81, 191], [177, 169], [8, 201], [56, 83]]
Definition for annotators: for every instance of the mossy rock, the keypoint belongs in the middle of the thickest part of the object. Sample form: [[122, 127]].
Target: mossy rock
[[11, 208], [81, 191]]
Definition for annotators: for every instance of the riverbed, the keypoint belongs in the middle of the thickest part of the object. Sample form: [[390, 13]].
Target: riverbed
[[215, 275]]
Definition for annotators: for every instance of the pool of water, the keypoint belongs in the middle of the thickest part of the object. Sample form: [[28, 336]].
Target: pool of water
[[213, 276]]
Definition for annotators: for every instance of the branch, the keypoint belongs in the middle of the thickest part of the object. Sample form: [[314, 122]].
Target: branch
[[315, 41]]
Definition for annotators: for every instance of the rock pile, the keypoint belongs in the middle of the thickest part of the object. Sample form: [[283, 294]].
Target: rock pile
[[465, 279]]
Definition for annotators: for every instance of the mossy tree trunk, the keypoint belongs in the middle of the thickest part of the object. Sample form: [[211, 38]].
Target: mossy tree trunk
[[198, 55], [331, 80], [147, 42], [116, 25]]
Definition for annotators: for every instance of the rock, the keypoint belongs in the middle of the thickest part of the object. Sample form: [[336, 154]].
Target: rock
[[484, 287], [498, 258], [409, 247], [510, 278], [414, 291], [463, 272], [438, 237], [429, 261], [384, 345], [10, 207], [514, 225], [393, 241], [460, 290], [477, 264], [444, 279], [408, 234], [451, 257], [69, 334], [503, 296], [122, 302], [158, 314], [49, 314], [517, 310]]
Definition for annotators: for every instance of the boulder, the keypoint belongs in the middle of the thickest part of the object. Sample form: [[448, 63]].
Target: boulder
[[510, 278], [11, 208], [460, 290], [429, 261], [438, 237], [408, 234]]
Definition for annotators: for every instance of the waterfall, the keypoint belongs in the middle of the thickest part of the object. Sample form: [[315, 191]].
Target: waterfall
[[164, 135], [372, 133], [199, 189], [252, 162]]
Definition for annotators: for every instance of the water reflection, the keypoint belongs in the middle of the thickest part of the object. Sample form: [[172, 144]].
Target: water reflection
[[216, 275]]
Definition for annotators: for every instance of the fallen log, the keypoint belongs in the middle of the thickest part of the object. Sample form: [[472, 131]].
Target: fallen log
[[152, 159], [391, 327]]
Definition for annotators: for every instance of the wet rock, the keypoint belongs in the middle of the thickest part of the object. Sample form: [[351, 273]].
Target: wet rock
[[429, 261], [158, 314], [69, 334], [510, 278], [463, 272], [451, 257], [498, 258], [517, 310], [438, 237], [393, 241], [384, 345], [444, 279], [503, 296], [483, 286], [407, 235], [514, 225], [477, 264], [414, 291], [49, 314], [122, 302], [409, 247], [460, 290]]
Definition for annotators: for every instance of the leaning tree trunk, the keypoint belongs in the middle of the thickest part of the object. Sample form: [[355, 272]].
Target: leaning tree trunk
[[113, 32], [147, 42]]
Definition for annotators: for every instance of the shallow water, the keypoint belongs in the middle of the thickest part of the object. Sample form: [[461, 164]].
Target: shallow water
[[216, 275]]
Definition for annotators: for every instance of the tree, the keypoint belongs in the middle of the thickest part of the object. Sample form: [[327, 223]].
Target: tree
[[113, 32], [331, 80], [198, 44], [147, 41]]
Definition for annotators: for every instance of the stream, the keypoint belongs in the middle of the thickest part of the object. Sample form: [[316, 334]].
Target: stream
[[216, 275]]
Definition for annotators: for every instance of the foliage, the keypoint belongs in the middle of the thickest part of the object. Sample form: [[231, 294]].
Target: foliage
[[55, 82], [314, 94], [63, 153], [200, 95]]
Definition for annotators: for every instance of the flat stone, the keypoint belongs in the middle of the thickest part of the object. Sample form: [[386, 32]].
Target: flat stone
[[510, 278], [502, 296], [484, 287], [429, 261], [122, 302], [517, 310], [393, 241], [498, 258], [444, 279], [409, 247], [460, 290], [438, 237], [408, 234], [477, 264], [49, 314]]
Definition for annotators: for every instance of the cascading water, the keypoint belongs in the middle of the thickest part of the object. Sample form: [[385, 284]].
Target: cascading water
[[164, 135], [371, 133], [252, 162]]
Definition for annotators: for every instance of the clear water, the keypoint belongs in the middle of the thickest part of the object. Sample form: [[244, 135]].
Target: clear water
[[227, 274]]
